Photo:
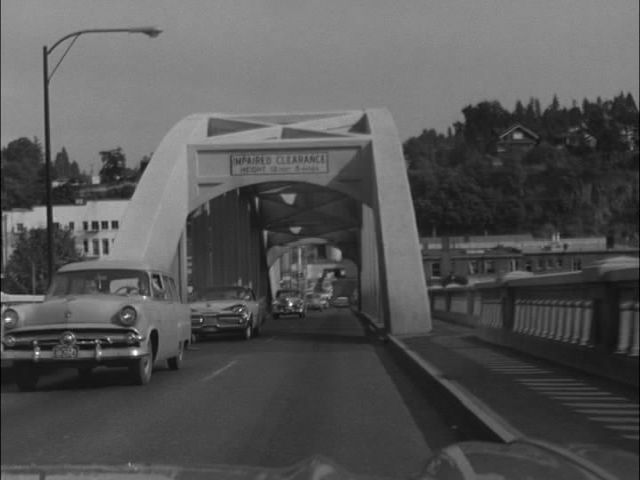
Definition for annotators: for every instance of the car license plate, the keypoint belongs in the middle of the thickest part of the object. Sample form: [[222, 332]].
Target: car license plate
[[65, 352]]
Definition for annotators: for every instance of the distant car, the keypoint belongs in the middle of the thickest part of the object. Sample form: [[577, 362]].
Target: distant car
[[225, 309], [340, 301], [99, 313], [315, 301], [288, 302]]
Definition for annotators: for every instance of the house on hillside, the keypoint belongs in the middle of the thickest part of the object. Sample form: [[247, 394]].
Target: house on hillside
[[630, 138], [579, 137], [515, 142]]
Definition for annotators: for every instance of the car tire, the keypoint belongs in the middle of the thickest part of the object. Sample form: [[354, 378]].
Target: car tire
[[140, 369], [248, 331], [174, 363], [26, 377]]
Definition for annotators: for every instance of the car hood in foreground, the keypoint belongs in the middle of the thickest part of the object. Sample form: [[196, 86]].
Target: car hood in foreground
[[464, 461], [316, 467]]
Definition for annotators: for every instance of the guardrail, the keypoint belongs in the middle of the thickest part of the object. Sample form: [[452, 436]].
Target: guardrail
[[586, 319]]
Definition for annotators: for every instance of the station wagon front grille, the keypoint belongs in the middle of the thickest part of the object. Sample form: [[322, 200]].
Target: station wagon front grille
[[84, 338]]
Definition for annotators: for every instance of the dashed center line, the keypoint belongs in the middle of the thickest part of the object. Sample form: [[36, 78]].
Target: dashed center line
[[219, 371]]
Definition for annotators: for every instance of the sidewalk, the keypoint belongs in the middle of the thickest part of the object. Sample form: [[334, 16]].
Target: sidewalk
[[518, 395]]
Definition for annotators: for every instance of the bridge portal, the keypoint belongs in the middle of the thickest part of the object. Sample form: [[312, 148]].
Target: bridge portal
[[254, 184]]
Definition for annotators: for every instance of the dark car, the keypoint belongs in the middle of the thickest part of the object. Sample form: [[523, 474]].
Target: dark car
[[289, 302]]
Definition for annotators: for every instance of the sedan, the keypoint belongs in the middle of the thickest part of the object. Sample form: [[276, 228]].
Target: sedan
[[289, 302], [226, 309], [315, 301]]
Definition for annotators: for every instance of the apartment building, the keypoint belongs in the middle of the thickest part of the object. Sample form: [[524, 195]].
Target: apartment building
[[94, 224]]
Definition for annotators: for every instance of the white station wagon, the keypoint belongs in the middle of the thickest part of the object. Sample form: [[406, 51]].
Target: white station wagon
[[99, 313]]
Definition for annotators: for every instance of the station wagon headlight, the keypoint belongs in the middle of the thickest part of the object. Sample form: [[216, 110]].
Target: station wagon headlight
[[128, 316], [10, 318], [9, 341]]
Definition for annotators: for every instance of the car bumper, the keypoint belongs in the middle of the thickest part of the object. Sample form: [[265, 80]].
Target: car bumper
[[95, 355], [282, 310], [216, 329], [212, 325]]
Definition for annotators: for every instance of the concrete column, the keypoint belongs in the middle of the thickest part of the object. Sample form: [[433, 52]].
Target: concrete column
[[404, 289]]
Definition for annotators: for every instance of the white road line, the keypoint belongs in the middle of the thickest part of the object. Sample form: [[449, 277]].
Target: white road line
[[631, 437], [597, 405], [219, 371], [629, 428], [616, 419], [571, 388], [621, 410], [550, 381], [588, 398]]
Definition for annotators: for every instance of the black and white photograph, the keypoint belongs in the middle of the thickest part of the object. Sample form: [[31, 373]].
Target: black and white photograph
[[320, 239]]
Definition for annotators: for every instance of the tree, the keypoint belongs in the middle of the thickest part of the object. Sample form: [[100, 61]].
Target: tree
[[61, 165], [113, 166], [26, 270], [22, 174]]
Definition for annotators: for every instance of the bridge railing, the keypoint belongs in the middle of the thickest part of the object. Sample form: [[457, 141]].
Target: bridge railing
[[577, 317]]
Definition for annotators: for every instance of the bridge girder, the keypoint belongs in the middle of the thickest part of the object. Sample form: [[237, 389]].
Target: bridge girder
[[338, 177]]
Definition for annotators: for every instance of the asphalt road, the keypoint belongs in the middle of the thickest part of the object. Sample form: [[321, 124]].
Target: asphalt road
[[319, 386]]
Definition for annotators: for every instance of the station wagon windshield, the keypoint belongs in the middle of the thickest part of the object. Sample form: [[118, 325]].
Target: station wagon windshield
[[108, 282]]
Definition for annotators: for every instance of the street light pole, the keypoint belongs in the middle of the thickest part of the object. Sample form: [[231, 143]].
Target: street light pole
[[151, 32]]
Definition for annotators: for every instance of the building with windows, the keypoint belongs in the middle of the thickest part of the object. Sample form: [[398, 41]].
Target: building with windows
[[475, 259], [515, 142], [94, 224]]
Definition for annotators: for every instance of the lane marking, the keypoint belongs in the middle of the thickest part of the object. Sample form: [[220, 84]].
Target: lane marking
[[219, 371], [622, 410], [588, 398], [616, 419], [572, 388], [630, 428], [551, 381]]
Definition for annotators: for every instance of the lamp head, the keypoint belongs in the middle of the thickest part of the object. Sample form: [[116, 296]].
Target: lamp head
[[152, 32]]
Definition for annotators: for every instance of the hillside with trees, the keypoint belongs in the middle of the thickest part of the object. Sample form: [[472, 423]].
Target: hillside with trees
[[23, 176], [580, 178]]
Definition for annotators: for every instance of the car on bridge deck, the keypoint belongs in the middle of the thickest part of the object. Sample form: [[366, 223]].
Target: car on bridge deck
[[316, 301], [226, 309], [289, 302], [341, 301], [99, 313]]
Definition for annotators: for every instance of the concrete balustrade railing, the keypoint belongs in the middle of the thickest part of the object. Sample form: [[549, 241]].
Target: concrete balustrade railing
[[628, 338], [563, 320], [596, 308]]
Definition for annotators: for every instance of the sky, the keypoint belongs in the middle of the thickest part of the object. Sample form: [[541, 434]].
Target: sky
[[423, 60]]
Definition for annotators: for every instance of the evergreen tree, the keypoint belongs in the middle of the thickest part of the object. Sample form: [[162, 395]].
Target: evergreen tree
[[22, 174]]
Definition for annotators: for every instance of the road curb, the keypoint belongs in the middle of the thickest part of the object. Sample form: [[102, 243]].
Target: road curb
[[463, 408]]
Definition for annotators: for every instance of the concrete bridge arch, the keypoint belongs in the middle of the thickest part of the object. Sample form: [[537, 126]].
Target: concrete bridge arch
[[278, 179]]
